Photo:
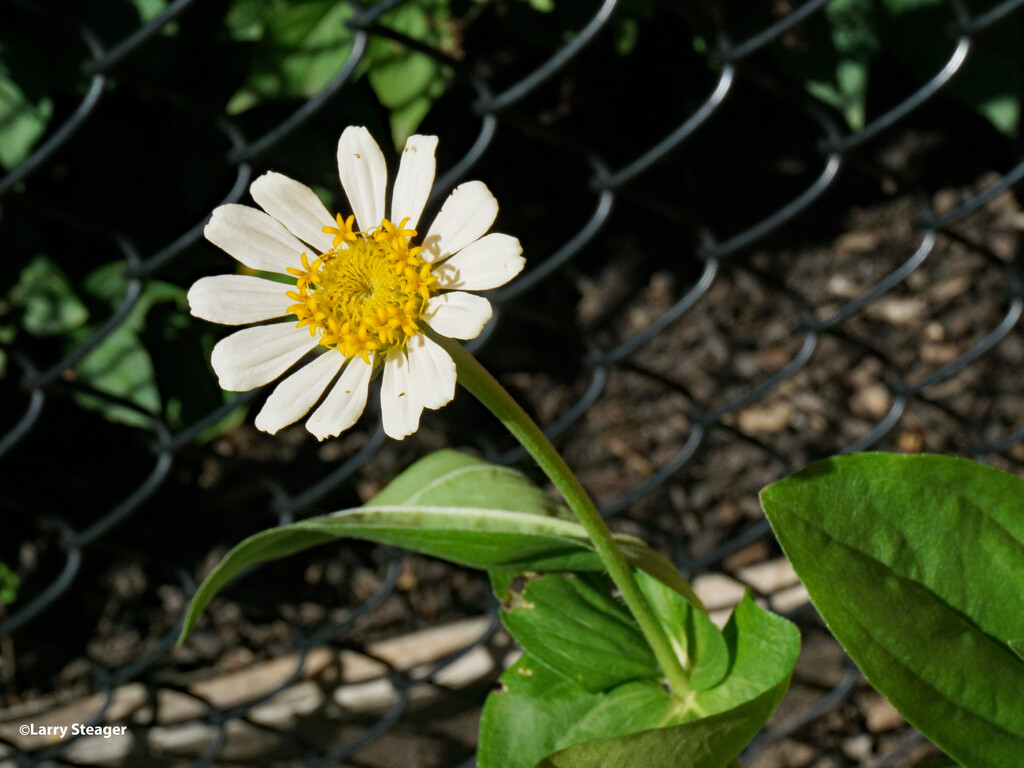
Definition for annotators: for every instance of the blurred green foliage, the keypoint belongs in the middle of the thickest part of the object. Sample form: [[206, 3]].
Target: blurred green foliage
[[25, 109], [300, 45], [991, 80], [46, 301], [854, 36], [121, 365], [9, 583], [148, 9], [835, 51]]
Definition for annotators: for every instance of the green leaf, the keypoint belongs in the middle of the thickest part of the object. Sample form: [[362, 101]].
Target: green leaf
[[542, 718], [431, 510], [301, 47], [571, 623], [244, 20], [639, 705], [107, 283], [121, 365], [405, 81], [478, 538], [835, 57], [1003, 111], [627, 32], [538, 712], [48, 303], [9, 583], [524, 720], [709, 743], [699, 644], [23, 118], [762, 649], [149, 9], [575, 625], [711, 728], [914, 562], [854, 30], [445, 475], [1017, 646]]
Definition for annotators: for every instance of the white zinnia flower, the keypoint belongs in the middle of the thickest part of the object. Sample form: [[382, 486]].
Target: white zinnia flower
[[364, 295]]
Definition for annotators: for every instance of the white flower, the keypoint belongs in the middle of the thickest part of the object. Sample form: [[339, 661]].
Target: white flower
[[364, 294]]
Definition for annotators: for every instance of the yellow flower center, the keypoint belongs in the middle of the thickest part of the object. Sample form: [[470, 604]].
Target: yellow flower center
[[367, 294]]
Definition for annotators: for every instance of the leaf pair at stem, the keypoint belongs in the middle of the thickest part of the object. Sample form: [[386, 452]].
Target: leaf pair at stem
[[588, 690]]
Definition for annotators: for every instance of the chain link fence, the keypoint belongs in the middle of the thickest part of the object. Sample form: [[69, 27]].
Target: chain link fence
[[724, 281]]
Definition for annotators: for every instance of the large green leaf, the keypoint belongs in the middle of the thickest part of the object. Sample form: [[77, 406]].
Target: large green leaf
[[915, 563], [542, 718], [435, 507]]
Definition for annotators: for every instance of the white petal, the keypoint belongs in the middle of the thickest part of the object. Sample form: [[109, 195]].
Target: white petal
[[345, 403], [400, 409], [432, 372], [414, 180], [238, 299], [364, 175], [296, 206], [458, 315], [293, 397], [489, 262], [254, 238], [250, 358], [466, 216]]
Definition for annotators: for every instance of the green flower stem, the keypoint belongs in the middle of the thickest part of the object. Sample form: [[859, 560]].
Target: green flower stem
[[482, 385]]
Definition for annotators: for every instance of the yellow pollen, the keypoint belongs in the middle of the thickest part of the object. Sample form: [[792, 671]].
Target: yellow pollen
[[367, 294]]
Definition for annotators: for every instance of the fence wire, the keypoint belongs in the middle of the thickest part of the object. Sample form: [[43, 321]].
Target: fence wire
[[723, 263]]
